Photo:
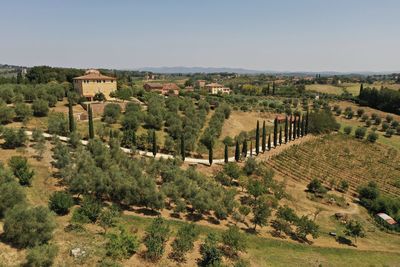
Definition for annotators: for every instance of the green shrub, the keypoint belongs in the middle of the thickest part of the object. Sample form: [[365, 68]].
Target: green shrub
[[315, 186], [233, 241], [11, 194], [156, 237], [89, 211], [41, 256], [13, 138], [372, 137], [60, 202], [122, 245], [28, 226], [40, 108], [322, 122], [347, 130], [183, 242], [360, 132], [20, 168], [210, 252]]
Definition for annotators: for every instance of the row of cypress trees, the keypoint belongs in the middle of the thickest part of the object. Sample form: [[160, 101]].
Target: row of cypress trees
[[295, 127]]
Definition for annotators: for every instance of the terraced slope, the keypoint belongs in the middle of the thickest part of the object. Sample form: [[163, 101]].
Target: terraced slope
[[341, 157]]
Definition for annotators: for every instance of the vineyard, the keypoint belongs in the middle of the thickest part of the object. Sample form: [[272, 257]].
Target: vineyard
[[338, 157]]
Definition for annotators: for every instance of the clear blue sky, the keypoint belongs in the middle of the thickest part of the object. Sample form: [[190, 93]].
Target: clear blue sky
[[294, 35]]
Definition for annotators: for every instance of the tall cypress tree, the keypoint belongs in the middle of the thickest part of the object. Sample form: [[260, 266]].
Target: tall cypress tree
[[226, 157], [286, 129], [91, 128], [244, 148], [306, 126], [303, 122], [210, 153], [258, 138], [273, 88], [71, 117], [154, 144], [298, 126], [290, 128], [280, 135], [237, 151], [361, 88], [294, 127], [183, 147], [264, 137], [269, 142], [275, 132], [268, 89]]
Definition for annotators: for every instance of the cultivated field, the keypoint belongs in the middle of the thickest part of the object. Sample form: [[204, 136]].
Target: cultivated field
[[341, 157]]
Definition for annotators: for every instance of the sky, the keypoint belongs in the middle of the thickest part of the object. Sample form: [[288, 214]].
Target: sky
[[280, 35]]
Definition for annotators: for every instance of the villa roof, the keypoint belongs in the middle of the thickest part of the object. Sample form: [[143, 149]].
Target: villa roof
[[94, 75]]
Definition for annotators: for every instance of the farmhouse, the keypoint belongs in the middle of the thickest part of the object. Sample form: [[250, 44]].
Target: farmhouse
[[164, 89], [94, 82], [216, 88], [200, 83]]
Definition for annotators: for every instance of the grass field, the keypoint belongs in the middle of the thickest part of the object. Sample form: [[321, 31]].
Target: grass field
[[325, 88]]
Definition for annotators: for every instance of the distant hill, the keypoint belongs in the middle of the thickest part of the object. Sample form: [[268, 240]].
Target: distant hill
[[189, 70], [199, 70]]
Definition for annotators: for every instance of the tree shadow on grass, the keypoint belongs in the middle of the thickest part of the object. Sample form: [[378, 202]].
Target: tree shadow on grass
[[147, 212], [194, 217], [344, 241], [213, 220]]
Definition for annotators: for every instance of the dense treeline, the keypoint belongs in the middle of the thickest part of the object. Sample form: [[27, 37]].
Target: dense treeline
[[384, 99]]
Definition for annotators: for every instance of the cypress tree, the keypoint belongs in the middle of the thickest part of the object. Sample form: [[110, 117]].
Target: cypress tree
[[298, 126], [264, 137], [280, 135], [154, 144], [269, 142], [226, 157], [306, 127], [237, 151], [294, 127], [361, 88], [290, 128], [210, 154], [71, 117], [268, 89], [275, 132], [258, 138], [244, 148], [273, 88], [91, 128], [286, 129], [251, 148], [183, 147]]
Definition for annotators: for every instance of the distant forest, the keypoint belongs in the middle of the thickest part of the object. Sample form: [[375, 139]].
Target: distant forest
[[384, 99]]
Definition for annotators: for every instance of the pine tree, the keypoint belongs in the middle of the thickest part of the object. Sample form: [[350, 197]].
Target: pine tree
[[244, 148], [258, 138], [154, 144], [286, 129], [275, 132], [264, 137], [71, 117], [269, 142], [91, 128], [280, 135], [210, 153], [306, 127], [226, 157], [183, 147], [237, 151], [290, 128]]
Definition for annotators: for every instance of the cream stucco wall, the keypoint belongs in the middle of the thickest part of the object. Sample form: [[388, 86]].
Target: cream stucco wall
[[89, 88]]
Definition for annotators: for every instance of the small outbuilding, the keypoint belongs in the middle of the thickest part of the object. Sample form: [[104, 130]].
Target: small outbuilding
[[386, 218]]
